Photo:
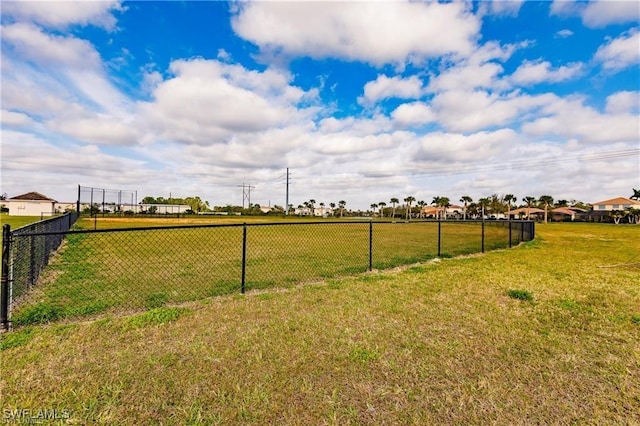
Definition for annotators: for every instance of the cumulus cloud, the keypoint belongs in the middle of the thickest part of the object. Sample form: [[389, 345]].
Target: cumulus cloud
[[32, 44], [533, 72], [621, 52], [469, 111], [391, 87], [412, 114], [623, 102], [570, 118], [600, 13], [206, 101], [456, 147], [61, 14], [359, 31]]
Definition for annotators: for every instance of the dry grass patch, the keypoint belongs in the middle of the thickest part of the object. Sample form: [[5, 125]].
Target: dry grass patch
[[437, 343]]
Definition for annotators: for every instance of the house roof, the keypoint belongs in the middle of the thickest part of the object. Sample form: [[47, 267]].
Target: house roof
[[619, 200], [32, 196], [564, 210], [527, 210]]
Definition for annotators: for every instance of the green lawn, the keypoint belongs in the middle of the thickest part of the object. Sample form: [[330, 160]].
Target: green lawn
[[98, 272], [18, 221], [546, 333]]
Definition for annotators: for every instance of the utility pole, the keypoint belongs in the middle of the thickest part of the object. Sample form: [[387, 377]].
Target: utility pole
[[286, 204], [246, 193]]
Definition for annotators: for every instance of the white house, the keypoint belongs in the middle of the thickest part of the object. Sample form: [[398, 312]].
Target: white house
[[619, 203], [31, 204]]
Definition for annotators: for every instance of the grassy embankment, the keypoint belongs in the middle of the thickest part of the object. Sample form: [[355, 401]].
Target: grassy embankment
[[548, 333], [100, 272]]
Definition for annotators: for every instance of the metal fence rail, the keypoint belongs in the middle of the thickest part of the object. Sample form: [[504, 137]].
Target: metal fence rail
[[91, 271]]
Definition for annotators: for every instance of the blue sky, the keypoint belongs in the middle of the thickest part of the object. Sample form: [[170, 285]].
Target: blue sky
[[362, 101]]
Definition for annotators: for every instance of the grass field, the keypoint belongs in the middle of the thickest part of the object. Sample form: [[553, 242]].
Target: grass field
[[98, 272], [547, 333], [18, 221]]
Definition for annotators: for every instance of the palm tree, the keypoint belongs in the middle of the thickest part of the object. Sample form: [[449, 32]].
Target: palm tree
[[508, 199], [341, 205], [333, 208], [312, 207], [373, 208], [547, 200], [394, 201], [616, 215], [444, 203], [410, 199], [421, 204], [484, 202], [382, 205], [466, 200], [529, 200], [436, 202], [636, 194]]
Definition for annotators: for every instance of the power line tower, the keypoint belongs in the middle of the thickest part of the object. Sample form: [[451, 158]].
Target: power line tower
[[246, 193]]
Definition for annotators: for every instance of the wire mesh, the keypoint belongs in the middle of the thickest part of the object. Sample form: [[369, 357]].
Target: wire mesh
[[58, 273]]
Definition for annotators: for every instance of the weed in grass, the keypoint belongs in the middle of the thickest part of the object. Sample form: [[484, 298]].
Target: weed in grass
[[155, 316], [635, 319], [568, 304], [39, 313], [363, 355], [520, 295], [16, 338], [157, 300]]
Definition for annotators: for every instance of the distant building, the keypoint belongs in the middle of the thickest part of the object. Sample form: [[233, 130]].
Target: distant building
[[619, 203], [31, 204]]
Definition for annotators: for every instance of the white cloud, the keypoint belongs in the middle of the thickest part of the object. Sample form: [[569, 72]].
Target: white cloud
[[455, 147], [60, 14], [570, 118], [533, 72], [395, 87], [97, 130], [207, 101], [623, 102], [479, 70], [600, 13], [414, 113], [56, 68], [15, 119], [469, 111], [621, 52], [505, 7], [32, 44], [564, 33], [359, 31]]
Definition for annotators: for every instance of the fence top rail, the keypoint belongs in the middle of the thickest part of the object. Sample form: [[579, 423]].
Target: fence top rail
[[41, 222], [22, 232]]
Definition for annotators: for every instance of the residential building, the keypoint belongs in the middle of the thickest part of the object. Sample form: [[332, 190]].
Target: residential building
[[31, 204]]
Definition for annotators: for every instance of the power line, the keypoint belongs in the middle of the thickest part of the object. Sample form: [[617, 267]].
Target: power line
[[246, 193]]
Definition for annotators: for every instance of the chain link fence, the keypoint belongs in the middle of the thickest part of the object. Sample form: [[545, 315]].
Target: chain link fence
[[94, 271]]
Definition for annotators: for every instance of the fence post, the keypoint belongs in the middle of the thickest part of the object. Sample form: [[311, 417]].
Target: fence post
[[439, 236], [4, 300], [510, 244], [371, 245], [483, 234], [244, 257]]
